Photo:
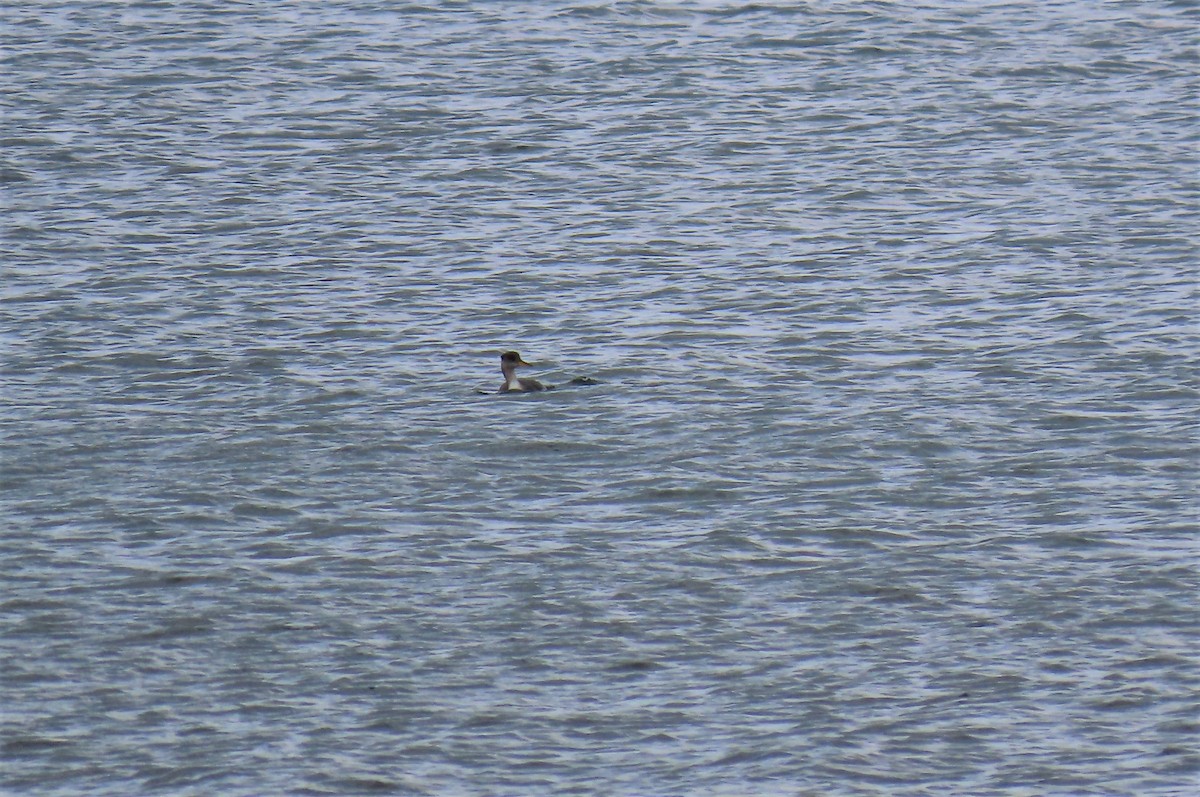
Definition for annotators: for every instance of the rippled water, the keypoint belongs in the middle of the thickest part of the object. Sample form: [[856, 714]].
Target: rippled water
[[888, 486]]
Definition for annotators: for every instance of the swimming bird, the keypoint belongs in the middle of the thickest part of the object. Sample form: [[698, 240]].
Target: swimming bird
[[508, 366]]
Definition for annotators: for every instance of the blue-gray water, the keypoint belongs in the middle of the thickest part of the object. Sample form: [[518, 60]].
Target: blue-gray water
[[889, 487]]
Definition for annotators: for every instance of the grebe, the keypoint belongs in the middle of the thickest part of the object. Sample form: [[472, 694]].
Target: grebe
[[508, 366]]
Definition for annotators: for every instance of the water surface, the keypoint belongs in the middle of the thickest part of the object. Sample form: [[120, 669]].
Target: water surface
[[888, 486]]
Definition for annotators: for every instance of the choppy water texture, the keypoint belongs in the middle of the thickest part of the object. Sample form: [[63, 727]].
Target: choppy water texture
[[889, 487]]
